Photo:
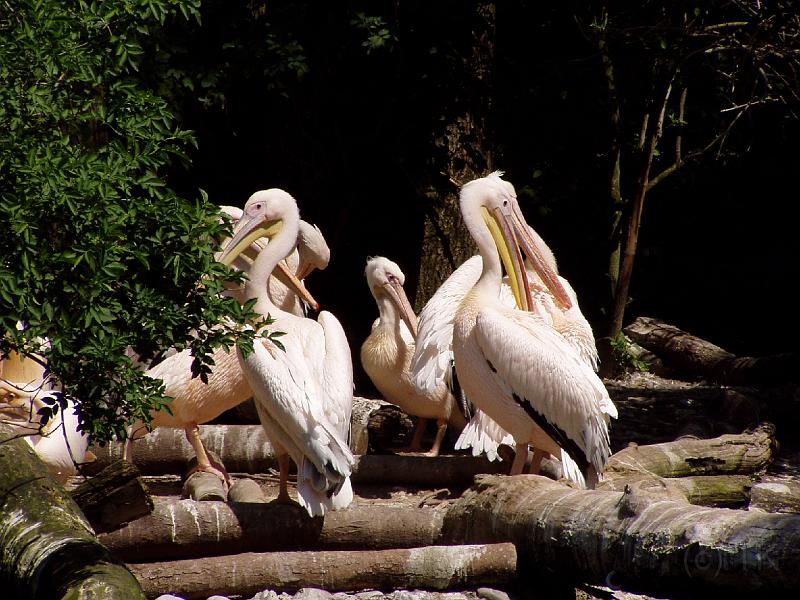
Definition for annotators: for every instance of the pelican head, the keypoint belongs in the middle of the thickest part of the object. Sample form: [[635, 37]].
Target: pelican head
[[493, 201], [312, 249], [385, 278], [265, 215]]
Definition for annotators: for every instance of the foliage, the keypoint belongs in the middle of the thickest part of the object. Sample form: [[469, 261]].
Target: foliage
[[99, 256], [624, 358], [376, 30]]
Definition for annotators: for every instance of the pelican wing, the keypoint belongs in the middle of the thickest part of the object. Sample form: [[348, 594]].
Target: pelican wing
[[287, 393], [549, 379], [337, 374], [432, 363]]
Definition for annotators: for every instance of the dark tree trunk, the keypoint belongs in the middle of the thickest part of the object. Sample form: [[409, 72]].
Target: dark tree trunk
[[461, 151]]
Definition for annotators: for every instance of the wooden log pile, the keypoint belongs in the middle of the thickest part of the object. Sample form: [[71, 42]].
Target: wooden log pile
[[686, 504], [667, 517]]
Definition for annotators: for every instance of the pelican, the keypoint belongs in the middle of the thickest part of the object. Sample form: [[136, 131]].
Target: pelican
[[195, 402], [310, 253], [513, 364], [58, 443], [387, 351], [303, 393]]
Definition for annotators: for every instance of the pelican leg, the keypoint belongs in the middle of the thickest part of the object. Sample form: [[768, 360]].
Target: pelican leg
[[536, 461], [283, 485], [204, 461], [520, 456], [441, 427], [416, 440]]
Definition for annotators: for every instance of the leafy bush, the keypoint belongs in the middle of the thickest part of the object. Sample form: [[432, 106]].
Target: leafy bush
[[98, 255]]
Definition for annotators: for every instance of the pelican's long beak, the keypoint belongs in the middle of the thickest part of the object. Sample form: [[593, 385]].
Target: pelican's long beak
[[290, 280], [511, 234], [246, 232], [398, 296], [508, 249], [538, 262], [245, 240]]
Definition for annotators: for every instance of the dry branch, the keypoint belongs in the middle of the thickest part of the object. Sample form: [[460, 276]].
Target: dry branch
[[700, 358], [47, 549], [432, 567]]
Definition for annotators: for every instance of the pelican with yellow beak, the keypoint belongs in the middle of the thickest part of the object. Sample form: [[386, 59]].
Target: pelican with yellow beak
[[304, 391], [195, 402], [512, 363]]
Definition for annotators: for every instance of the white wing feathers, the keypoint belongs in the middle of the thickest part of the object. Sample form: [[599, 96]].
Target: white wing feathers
[[337, 378], [483, 435], [546, 372], [287, 394], [432, 362]]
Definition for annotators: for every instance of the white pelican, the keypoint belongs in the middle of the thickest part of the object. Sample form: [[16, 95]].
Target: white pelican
[[513, 364], [303, 394], [58, 443], [387, 351], [311, 252], [194, 402]]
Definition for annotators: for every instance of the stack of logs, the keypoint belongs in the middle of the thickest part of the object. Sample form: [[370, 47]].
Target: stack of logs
[[698, 513]]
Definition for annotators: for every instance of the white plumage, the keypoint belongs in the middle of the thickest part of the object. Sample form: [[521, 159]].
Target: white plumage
[[195, 402], [525, 370], [387, 351], [303, 394]]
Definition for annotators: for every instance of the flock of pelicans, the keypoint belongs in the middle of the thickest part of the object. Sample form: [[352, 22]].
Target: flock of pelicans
[[505, 358]]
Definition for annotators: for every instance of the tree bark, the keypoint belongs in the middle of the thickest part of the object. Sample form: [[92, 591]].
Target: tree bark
[[739, 454], [635, 539], [461, 151], [47, 549], [432, 567], [182, 529], [721, 491], [113, 497], [245, 449], [700, 358], [242, 449], [436, 471], [185, 529]]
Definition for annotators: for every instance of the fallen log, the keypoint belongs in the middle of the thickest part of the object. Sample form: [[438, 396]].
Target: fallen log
[[245, 449], [410, 469], [113, 497], [722, 491], [47, 548], [185, 529], [775, 494], [635, 539], [242, 449], [431, 567], [652, 410], [741, 454], [700, 358]]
